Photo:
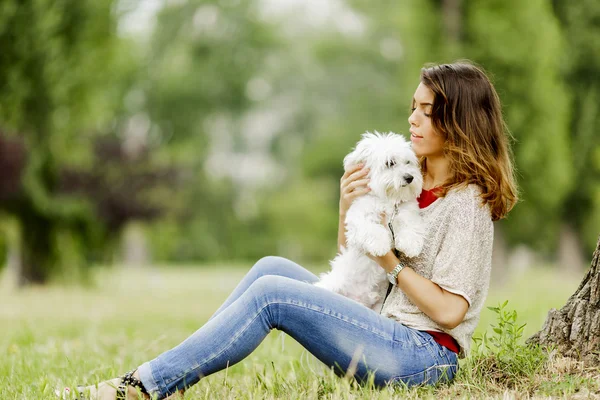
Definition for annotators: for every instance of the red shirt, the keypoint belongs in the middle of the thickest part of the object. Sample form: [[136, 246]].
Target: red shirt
[[425, 199]]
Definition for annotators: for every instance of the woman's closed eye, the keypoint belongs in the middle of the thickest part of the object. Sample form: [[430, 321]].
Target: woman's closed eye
[[413, 109]]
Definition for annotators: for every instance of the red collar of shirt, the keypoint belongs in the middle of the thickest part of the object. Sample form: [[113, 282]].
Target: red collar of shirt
[[428, 196]]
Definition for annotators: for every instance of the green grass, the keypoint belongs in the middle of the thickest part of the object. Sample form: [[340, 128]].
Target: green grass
[[84, 335]]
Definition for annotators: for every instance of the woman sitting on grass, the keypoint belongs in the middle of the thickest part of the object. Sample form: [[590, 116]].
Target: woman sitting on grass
[[429, 315]]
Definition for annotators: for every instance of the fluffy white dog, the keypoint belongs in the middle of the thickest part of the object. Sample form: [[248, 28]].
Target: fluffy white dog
[[396, 182]]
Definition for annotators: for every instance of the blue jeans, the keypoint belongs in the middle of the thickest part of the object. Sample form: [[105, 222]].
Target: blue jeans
[[345, 335]]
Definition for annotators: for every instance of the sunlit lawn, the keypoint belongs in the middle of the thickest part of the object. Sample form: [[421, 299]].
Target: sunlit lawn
[[83, 335]]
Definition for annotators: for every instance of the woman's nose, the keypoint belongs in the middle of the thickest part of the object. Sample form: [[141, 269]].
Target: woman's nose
[[412, 119]]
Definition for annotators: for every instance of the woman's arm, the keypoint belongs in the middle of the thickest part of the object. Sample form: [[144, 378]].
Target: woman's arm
[[445, 308], [352, 185]]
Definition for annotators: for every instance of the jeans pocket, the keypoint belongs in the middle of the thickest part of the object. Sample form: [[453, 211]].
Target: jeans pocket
[[430, 376], [418, 338], [449, 356]]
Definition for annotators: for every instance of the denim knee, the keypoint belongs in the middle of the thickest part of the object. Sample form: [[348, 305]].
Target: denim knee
[[270, 265], [266, 284]]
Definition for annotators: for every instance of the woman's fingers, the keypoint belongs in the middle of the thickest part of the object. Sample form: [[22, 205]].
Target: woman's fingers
[[353, 184], [352, 169], [356, 184], [356, 193], [354, 176]]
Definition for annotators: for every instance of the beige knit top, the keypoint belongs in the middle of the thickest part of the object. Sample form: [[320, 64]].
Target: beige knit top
[[457, 255]]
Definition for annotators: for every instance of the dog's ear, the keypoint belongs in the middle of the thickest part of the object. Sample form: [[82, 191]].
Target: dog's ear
[[362, 151], [353, 158]]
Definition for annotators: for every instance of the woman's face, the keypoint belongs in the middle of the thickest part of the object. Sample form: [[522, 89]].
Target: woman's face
[[425, 141]]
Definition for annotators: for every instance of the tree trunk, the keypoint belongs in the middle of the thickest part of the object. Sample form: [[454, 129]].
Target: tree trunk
[[36, 250], [135, 251], [575, 329], [13, 265], [453, 20]]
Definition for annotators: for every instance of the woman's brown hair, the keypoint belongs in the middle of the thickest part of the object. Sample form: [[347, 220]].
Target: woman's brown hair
[[467, 113]]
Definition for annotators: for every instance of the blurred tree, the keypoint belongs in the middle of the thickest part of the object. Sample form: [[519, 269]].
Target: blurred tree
[[522, 50], [54, 54], [62, 78], [122, 184], [581, 62]]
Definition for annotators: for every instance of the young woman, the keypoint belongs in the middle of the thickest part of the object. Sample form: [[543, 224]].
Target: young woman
[[433, 307]]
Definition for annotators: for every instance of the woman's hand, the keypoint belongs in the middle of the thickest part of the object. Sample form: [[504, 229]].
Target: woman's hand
[[354, 183], [389, 260]]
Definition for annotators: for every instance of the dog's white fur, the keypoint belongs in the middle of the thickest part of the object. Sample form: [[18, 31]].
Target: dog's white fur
[[391, 162]]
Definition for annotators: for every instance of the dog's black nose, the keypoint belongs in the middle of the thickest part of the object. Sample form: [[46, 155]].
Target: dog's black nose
[[408, 178]]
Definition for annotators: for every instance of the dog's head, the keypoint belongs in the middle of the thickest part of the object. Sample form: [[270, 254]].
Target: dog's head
[[394, 168]]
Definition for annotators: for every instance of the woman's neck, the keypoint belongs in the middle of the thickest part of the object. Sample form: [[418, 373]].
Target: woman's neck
[[437, 172]]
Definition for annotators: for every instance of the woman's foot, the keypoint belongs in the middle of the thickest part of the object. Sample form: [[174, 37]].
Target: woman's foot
[[123, 388]]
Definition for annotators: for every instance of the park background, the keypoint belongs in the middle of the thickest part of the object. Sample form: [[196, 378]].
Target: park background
[[164, 142]]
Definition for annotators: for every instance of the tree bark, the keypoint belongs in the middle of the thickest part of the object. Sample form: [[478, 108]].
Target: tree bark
[[575, 329]]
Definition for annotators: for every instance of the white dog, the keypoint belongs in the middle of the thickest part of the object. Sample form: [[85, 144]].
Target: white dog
[[396, 182]]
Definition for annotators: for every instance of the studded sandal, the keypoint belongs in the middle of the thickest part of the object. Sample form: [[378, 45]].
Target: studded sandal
[[120, 384], [129, 380]]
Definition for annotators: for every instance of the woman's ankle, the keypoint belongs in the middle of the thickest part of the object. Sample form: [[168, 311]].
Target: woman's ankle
[[132, 391]]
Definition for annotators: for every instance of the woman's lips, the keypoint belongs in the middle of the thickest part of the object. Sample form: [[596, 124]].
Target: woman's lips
[[415, 137]]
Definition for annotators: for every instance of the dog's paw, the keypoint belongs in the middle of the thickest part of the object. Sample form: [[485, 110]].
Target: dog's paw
[[378, 241], [378, 248], [356, 238], [410, 246]]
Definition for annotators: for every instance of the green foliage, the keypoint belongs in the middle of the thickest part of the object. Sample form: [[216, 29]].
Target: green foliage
[[203, 54], [203, 78], [536, 103], [300, 234], [50, 61], [507, 333], [205, 57], [501, 356], [60, 89]]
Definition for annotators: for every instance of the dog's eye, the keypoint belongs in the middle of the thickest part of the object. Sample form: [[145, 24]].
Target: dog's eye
[[390, 163], [408, 162]]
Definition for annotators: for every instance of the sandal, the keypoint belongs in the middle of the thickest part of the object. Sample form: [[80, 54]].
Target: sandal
[[106, 390]]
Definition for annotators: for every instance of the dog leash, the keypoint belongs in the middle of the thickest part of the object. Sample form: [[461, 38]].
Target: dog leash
[[390, 224], [390, 286]]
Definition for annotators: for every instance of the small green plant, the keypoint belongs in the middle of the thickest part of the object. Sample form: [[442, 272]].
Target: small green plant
[[502, 355], [507, 333]]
